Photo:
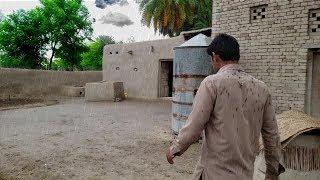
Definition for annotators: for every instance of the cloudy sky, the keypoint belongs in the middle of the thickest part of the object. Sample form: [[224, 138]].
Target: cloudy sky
[[120, 19]]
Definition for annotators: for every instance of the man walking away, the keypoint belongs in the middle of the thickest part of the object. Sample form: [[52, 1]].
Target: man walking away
[[232, 108]]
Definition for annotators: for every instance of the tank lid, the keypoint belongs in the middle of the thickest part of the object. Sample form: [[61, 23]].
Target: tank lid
[[199, 40]]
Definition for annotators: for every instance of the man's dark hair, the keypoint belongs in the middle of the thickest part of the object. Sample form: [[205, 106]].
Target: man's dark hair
[[226, 46]]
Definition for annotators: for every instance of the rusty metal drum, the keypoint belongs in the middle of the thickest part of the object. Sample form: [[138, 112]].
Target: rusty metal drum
[[191, 65]]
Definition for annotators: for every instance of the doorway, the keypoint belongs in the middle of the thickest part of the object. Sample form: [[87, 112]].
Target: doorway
[[315, 86], [166, 78]]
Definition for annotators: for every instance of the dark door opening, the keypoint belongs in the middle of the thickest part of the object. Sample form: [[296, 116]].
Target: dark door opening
[[166, 78], [315, 86]]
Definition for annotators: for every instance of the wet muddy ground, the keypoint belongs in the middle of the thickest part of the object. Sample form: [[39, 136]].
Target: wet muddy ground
[[100, 140]]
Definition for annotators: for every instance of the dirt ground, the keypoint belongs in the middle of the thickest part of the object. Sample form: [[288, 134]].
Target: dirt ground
[[16, 103], [100, 140]]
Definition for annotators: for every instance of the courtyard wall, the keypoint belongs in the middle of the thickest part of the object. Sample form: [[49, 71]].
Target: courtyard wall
[[25, 83]]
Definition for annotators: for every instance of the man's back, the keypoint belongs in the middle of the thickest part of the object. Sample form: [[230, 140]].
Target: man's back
[[234, 128], [232, 108]]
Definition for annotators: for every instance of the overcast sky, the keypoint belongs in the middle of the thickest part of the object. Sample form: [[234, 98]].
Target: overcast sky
[[121, 21]]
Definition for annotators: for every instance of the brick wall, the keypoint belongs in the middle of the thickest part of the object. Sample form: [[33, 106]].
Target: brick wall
[[276, 37]]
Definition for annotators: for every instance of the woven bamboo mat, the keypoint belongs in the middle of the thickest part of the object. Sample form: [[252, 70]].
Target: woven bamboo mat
[[293, 123]]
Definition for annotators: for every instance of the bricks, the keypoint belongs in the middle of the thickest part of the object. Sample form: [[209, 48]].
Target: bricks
[[273, 47]]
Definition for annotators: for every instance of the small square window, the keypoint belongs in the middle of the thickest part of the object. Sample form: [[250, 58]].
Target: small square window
[[314, 19], [258, 12], [110, 52], [117, 52]]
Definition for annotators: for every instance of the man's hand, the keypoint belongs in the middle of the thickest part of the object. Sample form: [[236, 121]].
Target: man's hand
[[170, 156]]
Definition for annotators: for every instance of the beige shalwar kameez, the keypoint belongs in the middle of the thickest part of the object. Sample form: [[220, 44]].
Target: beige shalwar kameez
[[232, 108]]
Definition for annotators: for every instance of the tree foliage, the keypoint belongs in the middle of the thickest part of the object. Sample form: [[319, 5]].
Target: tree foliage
[[92, 59], [13, 62], [203, 14], [68, 26], [170, 17], [57, 64], [58, 26], [22, 37]]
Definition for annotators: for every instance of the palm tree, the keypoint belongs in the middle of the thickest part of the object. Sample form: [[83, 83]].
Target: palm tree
[[170, 17], [167, 16], [203, 14]]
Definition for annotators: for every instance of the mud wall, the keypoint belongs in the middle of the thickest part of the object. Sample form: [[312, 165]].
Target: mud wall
[[25, 83]]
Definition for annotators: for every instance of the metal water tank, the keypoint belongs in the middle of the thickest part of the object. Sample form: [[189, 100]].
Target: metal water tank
[[191, 64]]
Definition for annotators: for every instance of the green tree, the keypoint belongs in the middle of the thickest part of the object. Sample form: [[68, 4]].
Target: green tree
[[57, 64], [106, 39], [71, 53], [61, 26], [12, 62], [68, 26], [170, 17], [203, 14], [22, 40], [92, 59]]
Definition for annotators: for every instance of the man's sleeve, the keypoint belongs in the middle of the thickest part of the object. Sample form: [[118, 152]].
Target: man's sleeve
[[203, 105], [271, 141]]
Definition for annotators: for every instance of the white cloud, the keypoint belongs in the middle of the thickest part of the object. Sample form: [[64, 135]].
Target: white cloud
[[104, 3], [136, 30], [117, 19]]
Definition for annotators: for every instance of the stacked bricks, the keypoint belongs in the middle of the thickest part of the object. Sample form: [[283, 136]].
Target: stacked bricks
[[274, 37]]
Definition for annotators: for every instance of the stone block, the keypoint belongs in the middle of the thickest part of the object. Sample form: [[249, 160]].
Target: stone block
[[104, 91], [99, 91]]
